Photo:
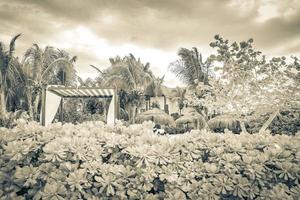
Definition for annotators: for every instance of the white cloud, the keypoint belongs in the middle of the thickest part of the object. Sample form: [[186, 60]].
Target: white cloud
[[82, 40], [266, 11]]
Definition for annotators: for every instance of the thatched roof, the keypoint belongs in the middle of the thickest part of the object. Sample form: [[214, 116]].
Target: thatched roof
[[185, 119], [194, 118], [157, 116], [224, 121]]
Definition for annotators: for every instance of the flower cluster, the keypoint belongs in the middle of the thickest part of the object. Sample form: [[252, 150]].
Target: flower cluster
[[96, 161]]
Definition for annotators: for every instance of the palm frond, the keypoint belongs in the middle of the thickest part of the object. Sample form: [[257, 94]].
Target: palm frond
[[73, 59], [96, 68], [12, 44]]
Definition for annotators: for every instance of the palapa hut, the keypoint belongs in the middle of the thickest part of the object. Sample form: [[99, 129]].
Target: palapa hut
[[191, 119], [222, 122], [157, 116]]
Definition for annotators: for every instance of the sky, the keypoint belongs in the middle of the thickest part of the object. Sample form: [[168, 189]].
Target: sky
[[154, 30]]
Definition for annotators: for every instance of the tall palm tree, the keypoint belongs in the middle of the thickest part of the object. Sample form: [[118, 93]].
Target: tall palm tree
[[9, 69], [65, 73], [180, 97], [130, 75], [154, 88], [42, 67], [190, 68]]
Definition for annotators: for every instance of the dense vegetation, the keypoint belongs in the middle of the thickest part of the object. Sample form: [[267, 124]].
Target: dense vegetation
[[235, 90], [237, 81], [96, 161]]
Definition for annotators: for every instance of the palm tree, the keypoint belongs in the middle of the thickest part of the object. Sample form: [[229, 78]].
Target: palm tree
[[190, 68], [42, 67], [9, 69], [180, 96], [154, 88], [65, 73], [130, 75]]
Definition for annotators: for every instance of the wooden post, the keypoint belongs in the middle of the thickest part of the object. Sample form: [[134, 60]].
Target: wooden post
[[61, 117], [243, 127], [43, 117], [115, 105], [166, 108], [269, 121]]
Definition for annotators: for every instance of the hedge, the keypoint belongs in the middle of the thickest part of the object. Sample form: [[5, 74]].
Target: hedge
[[95, 161]]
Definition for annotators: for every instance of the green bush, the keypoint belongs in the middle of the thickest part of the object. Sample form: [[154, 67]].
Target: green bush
[[10, 120], [175, 116], [96, 161], [288, 122], [78, 117], [174, 130]]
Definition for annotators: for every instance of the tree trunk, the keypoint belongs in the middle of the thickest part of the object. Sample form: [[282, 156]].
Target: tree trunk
[[135, 113], [206, 127], [128, 110], [132, 113], [28, 93], [36, 106], [30, 107], [269, 121], [3, 111]]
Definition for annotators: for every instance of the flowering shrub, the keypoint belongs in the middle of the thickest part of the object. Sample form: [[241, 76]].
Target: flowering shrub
[[95, 161]]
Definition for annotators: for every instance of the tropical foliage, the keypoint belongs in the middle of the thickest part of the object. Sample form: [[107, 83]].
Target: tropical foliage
[[248, 81], [128, 73], [22, 81], [131, 77], [96, 161], [9, 74], [247, 85], [191, 68], [42, 67]]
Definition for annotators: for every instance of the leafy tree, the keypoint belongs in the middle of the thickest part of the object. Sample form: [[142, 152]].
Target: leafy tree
[[248, 83]]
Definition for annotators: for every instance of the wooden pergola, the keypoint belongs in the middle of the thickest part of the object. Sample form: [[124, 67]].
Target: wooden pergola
[[78, 92]]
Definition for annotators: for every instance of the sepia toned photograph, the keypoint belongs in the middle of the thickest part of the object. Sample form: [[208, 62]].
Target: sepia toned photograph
[[150, 99]]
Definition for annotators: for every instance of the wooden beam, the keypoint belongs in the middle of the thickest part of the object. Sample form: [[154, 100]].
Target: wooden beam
[[269, 121], [78, 96], [115, 105], [105, 97], [43, 117], [61, 117], [54, 92], [81, 87]]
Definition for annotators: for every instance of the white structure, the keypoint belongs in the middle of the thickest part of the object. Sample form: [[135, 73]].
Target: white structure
[[172, 103], [53, 97]]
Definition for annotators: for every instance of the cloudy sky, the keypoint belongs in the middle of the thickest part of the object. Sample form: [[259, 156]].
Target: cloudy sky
[[153, 30]]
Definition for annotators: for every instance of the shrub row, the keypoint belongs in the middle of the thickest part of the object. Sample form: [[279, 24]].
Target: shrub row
[[96, 161]]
